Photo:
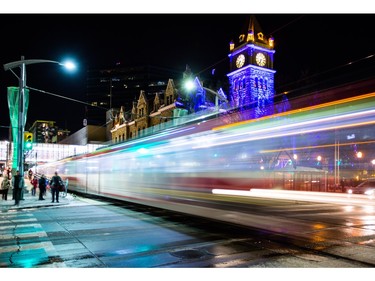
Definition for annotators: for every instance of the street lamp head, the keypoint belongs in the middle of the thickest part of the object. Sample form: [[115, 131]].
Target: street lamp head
[[189, 85], [70, 65]]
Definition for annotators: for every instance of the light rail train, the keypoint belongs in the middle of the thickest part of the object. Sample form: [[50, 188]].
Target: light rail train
[[200, 168]]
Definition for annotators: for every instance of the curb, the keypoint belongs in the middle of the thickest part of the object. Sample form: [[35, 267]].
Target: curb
[[33, 201]]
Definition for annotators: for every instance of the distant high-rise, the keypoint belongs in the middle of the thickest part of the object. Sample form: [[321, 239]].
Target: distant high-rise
[[47, 132]]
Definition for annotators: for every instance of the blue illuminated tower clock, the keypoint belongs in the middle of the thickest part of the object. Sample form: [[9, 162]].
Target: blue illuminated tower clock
[[251, 76]]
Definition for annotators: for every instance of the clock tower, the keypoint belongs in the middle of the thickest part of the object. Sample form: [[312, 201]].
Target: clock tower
[[251, 76]]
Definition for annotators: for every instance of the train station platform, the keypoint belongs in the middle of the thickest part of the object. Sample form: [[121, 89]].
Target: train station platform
[[33, 201]]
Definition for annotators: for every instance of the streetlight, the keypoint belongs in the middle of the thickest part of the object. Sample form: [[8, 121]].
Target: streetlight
[[21, 102], [218, 94]]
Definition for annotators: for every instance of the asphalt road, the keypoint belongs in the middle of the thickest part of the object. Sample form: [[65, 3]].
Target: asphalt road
[[84, 233]]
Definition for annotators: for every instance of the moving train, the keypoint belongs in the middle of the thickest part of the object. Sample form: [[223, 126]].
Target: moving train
[[202, 167]]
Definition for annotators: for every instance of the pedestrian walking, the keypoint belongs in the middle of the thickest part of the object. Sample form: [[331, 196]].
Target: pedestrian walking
[[55, 184], [34, 183], [9, 172], [5, 186], [66, 187], [42, 186], [30, 174], [18, 183]]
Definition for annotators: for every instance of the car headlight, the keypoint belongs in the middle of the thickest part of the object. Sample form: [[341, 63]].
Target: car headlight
[[350, 191]]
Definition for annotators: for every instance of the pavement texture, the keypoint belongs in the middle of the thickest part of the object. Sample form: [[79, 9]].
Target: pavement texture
[[31, 201]]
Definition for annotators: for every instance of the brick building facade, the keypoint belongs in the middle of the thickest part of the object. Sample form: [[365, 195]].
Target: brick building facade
[[145, 113]]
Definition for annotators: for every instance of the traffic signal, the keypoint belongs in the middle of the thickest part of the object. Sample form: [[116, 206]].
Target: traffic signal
[[28, 140]]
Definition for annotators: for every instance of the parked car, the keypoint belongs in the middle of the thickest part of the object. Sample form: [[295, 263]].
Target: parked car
[[367, 187]]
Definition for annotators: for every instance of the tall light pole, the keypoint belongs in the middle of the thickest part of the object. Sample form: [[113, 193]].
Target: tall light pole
[[21, 100]]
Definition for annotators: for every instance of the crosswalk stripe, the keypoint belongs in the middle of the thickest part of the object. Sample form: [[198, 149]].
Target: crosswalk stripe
[[47, 246], [20, 226]]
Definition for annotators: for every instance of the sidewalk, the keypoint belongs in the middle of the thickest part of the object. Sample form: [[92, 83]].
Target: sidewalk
[[33, 201]]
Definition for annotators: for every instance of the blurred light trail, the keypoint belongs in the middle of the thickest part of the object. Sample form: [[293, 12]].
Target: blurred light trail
[[215, 171], [308, 196]]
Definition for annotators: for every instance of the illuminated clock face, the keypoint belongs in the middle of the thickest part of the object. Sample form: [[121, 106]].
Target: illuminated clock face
[[240, 61], [260, 59]]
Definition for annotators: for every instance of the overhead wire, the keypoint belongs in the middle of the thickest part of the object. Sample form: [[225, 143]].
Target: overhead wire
[[225, 58], [65, 97], [294, 82], [341, 66]]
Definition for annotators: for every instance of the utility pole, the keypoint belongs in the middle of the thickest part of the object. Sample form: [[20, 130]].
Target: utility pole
[[21, 117]]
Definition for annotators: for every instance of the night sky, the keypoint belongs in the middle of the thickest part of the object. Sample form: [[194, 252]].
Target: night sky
[[306, 44], [309, 41]]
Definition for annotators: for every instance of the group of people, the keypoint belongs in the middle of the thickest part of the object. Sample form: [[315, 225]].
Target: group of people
[[17, 183], [41, 183]]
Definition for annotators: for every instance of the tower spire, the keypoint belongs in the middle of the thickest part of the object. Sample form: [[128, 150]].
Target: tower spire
[[252, 33], [255, 28]]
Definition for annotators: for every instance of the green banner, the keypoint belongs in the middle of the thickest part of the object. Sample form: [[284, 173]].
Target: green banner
[[13, 102]]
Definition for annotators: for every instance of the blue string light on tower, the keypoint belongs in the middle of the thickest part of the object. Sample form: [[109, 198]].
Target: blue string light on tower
[[251, 78]]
